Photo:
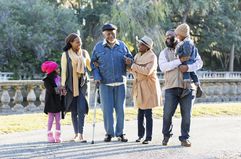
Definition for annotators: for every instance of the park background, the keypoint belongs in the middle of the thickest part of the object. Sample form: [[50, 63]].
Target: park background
[[33, 31]]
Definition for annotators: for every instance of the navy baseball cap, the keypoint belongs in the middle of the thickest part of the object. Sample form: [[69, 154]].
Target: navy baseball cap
[[109, 27]]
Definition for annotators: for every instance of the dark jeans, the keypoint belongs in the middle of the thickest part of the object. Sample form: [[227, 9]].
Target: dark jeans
[[172, 99], [78, 115], [149, 123]]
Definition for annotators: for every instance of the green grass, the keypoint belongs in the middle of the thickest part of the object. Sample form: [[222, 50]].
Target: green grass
[[34, 121]]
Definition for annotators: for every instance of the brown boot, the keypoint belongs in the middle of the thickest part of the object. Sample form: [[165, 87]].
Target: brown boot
[[199, 92], [186, 143]]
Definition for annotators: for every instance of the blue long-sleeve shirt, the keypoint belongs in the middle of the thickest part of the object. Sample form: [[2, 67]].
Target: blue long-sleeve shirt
[[111, 60]]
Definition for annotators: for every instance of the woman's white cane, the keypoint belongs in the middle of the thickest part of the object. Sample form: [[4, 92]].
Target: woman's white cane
[[94, 118]]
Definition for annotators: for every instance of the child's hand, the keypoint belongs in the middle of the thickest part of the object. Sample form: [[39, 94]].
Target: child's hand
[[63, 91], [57, 90]]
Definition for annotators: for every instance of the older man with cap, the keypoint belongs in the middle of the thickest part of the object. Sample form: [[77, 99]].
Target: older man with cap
[[146, 86], [173, 70], [109, 70]]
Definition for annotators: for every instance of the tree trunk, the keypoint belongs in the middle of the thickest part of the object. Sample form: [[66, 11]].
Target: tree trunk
[[186, 11], [231, 59], [222, 63]]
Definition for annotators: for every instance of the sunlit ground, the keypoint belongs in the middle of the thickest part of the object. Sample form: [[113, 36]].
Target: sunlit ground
[[34, 121]]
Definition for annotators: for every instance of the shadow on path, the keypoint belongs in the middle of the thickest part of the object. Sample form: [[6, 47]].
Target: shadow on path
[[75, 149]]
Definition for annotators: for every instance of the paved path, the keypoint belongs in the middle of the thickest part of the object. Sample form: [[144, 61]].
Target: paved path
[[212, 138]]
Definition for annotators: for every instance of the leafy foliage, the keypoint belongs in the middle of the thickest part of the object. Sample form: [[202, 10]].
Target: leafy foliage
[[136, 19], [34, 31], [32, 34]]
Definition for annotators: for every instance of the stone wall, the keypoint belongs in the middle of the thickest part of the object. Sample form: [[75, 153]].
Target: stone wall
[[215, 91], [221, 90], [24, 96]]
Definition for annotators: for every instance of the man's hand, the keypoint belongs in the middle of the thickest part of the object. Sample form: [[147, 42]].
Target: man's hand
[[128, 61], [96, 64], [184, 58], [183, 68]]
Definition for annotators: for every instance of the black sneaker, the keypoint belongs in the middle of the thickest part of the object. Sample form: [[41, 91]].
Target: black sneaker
[[107, 138], [185, 92], [199, 92], [165, 141], [122, 138], [146, 141], [138, 140]]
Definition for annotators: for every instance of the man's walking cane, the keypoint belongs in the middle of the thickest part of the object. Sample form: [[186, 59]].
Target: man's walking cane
[[94, 118]]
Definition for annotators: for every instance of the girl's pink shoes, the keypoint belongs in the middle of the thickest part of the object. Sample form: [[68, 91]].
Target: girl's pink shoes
[[51, 137], [58, 136]]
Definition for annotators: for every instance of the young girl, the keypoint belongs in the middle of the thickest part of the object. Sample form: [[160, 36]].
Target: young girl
[[52, 99]]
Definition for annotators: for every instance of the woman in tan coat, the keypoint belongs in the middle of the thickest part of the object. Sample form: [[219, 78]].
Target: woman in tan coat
[[146, 87]]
